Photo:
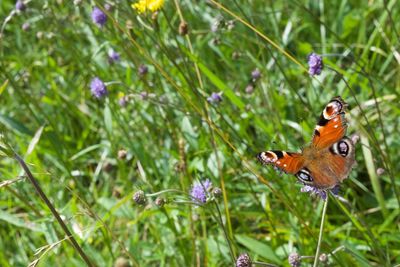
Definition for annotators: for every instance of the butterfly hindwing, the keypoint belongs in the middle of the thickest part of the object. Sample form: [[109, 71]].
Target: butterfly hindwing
[[327, 167], [332, 124], [286, 161]]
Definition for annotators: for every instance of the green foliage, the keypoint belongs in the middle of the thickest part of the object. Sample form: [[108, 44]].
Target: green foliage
[[74, 144]]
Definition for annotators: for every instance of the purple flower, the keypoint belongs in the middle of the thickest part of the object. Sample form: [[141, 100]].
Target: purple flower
[[243, 260], [199, 191], [98, 88], [107, 7], [249, 89], [315, 64], [214, 98], [123, 101], [314, 191], [113, 56], [26, 26], [20, 5], [255, 75], [143, 69], [98, 16], [294, 259]]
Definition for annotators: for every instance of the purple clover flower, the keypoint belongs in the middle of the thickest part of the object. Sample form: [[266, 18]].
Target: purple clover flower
[[214, 98], [199, 191], [113, 56], [99, 17], [98, 88], [20, 5], [315, 64]]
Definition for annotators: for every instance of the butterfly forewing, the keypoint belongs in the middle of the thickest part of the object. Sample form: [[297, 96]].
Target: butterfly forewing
[[288, 162], [332, 124]]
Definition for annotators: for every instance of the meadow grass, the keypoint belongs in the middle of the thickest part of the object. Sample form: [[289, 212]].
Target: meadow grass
[[195, 91]]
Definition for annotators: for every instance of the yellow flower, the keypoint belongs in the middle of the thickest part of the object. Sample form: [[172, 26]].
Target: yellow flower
[[151, 5]]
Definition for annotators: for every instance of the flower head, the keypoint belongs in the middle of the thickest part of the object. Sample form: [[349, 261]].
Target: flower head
[[20, 5], [199, 191], [249, 89], [113, 56], [150, 5], [26, 26], [99, 17], [314, 191], [315, 64], [214, 98], [255, 75], [98, 88], [123, 99], [243, 260], [139, 197], [294, 259], [143, 69], [160, 202]]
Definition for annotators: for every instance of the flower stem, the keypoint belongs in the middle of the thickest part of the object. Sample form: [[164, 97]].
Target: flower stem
[[53, 210], [321, 229]]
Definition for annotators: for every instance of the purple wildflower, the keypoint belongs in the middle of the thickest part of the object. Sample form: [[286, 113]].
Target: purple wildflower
[[214, 98], [113, 56], [294, 259], [20, 5], [26, 26], [199, 191], [108, 7], [243, 260], [98, 88], [249, 89], [98, 16], [143, 69], [255, 75], [315, 64], [314, 191], [123, 101]]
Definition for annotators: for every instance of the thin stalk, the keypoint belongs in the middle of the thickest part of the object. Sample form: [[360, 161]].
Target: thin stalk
[[221, 223], [321, 229], [52, 209]]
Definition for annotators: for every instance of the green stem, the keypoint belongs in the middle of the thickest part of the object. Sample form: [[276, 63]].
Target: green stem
[[321, 229], [53, 210]]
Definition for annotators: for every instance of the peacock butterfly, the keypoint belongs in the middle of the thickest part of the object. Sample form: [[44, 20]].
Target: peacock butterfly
[[329, 158]]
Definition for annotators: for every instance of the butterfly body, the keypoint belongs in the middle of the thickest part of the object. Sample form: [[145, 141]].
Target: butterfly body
[[329, 158]]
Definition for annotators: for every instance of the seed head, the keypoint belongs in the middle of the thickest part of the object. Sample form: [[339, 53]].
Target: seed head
[[139, 198]]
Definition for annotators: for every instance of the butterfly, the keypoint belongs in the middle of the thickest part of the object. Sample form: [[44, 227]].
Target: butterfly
[[328, 159]]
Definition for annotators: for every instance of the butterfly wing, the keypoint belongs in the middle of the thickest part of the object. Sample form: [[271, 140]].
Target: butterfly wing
[[328, 167], [332, 124], [286, 161]]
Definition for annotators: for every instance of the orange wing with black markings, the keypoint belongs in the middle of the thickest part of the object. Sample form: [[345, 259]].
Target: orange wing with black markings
[[332, 124], [286, 161]]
